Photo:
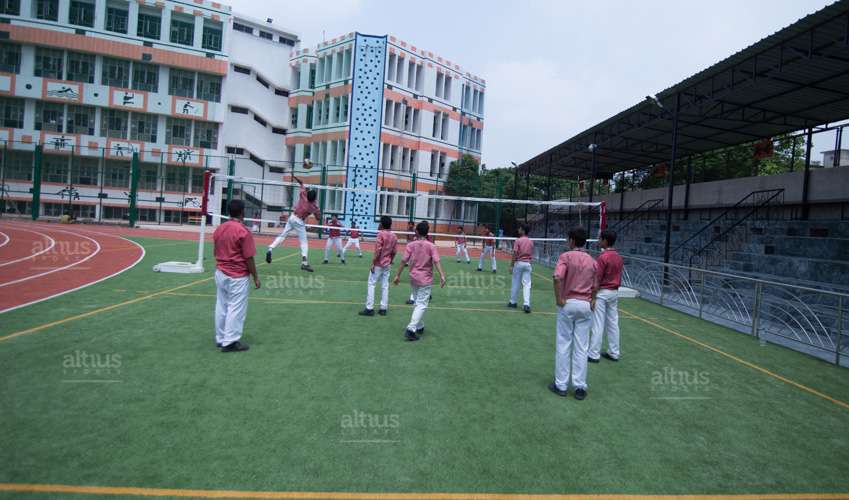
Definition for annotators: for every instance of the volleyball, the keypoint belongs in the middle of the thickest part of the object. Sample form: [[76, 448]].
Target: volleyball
[[307, 163]]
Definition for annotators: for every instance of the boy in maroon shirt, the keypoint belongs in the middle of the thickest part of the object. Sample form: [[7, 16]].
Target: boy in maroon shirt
[[422, 256], [234, 256], [334, 238], [606, 309], [297, 222], [381, 266]]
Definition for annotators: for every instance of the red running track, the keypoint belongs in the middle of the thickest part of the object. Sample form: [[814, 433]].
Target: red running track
[[39, 261]]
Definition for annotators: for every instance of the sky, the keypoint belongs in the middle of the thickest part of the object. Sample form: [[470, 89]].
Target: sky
[[553, 68]]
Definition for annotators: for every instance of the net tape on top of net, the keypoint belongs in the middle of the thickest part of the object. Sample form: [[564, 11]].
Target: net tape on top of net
[[250, 180], [347, 230]]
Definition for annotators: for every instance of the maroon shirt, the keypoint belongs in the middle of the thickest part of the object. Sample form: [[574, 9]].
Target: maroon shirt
[[304, 207], [234, 245], [335, 233], [577, 273], [523, 250], [421, 255], [384, 248], [353, 234], [609, 273]]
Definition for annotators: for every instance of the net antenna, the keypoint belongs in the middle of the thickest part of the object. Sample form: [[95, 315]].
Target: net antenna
[[210, 178]]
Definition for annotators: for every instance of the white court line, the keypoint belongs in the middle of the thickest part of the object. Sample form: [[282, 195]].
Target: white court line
[[52, 244], [27, 278], [6, 240], [87, 284]]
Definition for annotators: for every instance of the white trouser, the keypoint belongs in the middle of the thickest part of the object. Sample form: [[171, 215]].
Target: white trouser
[[355, 242], [461, 249], [573, 329], [487, 249], [379, 274], [333, 241], [231, 306], [521, 274], [293, 224], [421, 295], [605, 320]]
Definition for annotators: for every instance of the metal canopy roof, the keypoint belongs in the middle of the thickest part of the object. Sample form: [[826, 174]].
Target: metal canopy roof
[[791, 80]]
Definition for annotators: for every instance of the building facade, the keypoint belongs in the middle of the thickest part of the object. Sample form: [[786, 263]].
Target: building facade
[[94, 81], [377, 112]]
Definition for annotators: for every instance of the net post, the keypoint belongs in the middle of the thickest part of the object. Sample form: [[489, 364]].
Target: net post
[[36, 182], [231, 170], [413, 205], [134, 187], [203, 214], [499, 189]]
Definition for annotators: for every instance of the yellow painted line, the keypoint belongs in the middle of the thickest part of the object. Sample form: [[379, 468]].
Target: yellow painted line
[[342, 495], [742, 361], [344, 302], [108, 308]]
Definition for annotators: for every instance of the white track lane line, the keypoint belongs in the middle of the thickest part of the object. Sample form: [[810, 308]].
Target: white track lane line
[[6, 240], [52, 244], [21, 280], [143, 253]]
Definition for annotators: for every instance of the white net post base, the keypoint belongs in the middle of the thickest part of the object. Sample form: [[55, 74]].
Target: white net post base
[[178, 267]]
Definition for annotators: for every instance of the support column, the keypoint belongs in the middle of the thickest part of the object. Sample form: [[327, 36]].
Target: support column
[[547, 196], [687, 188], [36, 182], [668, 242], [134, 188], [806, 209]]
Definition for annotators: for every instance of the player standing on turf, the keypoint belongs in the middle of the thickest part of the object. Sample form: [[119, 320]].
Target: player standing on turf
[[354, 239], [574, 281], [411, 237], [334, 239], [234, 257], [488, 248], [297, 222], [421, 255], [381, 266], [520, 267], [460, 243], [606, 299]]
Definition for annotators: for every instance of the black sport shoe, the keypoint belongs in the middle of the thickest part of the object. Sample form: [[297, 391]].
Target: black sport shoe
[[493, 271], [382, 312], [527, 309], [420, 331], [553, 388], [343, 261], [307, 268], [410, 336], [592, 360], [268, 257], [325, 261], [410, 302], [511, 304], [580, 394], [366, 312], [235, 347], [608, 356], [479, 269]]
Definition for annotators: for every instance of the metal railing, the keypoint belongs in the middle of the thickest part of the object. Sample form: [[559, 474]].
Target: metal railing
[[804, 318]]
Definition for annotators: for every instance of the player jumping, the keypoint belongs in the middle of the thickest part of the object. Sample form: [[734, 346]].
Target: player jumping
[[296, 222]]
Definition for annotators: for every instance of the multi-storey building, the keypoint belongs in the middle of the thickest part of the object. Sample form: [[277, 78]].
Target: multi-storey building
[[181, 83], [377, 112]]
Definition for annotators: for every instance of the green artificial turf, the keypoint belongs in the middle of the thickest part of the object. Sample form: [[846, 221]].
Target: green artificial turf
[[326, 400]]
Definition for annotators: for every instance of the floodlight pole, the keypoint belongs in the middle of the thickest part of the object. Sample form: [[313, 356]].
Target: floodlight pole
[[592, 147], [671, 192]]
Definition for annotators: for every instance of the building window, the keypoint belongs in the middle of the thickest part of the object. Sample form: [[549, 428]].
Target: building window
[[266, 35], [211, 36], [85, 173], [178, 132], [80, 67], [206, 135], [81, 120], [242, 69], [48, 63], [116, 213], [149, 24], [243, 28], [177, 179], [145, 77], [117, 19], [116, 173], [10, 7], [113, 123], [286, 41], [148, 176], [293, 117], [81, 13], [182, 29], [10, 58], [49, 116], [181, 83], [143, 127], [209, 87], [47, 10], [19, 165], [55, 169], [12, 112], [116, 73]]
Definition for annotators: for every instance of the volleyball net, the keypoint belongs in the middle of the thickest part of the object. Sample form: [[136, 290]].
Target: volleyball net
[[484, 221]]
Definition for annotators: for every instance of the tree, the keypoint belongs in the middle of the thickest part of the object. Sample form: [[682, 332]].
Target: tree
[[463, 177]]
